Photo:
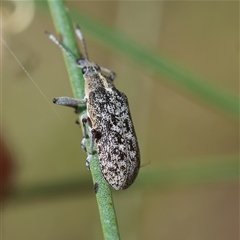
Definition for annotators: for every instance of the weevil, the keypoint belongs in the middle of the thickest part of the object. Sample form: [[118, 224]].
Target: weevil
[[108, 118]]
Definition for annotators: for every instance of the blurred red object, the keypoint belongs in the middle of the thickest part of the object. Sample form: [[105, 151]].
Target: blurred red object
[[6, 170]]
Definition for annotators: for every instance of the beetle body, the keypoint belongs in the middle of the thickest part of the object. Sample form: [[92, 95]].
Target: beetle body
[[116, 141], [109, 120]]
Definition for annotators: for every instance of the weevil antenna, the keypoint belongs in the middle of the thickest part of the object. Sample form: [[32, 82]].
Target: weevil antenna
[[81, 38], [54, 39]]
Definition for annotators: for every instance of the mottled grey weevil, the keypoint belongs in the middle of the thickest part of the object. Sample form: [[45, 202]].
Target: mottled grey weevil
[[109, 120]]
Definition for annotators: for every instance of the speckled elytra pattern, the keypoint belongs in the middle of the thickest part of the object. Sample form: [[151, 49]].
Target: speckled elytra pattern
[[117, 145]]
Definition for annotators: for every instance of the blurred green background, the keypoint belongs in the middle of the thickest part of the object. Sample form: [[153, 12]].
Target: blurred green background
[[187, 132]]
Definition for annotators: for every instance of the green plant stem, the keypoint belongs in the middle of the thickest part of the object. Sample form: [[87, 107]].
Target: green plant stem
[[64, 27]]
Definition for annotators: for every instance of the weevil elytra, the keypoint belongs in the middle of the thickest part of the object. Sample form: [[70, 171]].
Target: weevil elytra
[[109, 120]]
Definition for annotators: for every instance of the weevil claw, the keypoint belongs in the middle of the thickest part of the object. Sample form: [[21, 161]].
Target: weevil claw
[[88, 160], [83, 144]]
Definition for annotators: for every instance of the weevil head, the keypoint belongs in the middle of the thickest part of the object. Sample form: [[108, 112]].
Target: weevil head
[[93, 77], [89, 69]]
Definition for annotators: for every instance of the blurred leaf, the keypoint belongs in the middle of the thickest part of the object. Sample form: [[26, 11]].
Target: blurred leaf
[[175, 73]]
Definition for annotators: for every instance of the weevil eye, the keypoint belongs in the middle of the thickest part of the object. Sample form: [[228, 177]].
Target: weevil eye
[[84, 70]]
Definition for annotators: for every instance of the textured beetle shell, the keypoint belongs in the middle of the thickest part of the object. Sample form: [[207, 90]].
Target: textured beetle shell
[[117, 145]]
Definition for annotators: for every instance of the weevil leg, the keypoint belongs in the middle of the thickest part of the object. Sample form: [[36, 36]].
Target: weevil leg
[[84, 119], [112, 75], [88, 160], [69, 102], [95, 135], [89, 157]]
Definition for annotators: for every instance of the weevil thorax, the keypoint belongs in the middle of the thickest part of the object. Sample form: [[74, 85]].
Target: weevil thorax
[[93, 77]]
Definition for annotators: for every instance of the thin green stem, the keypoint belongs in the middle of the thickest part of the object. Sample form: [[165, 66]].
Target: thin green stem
[[64, 27]]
